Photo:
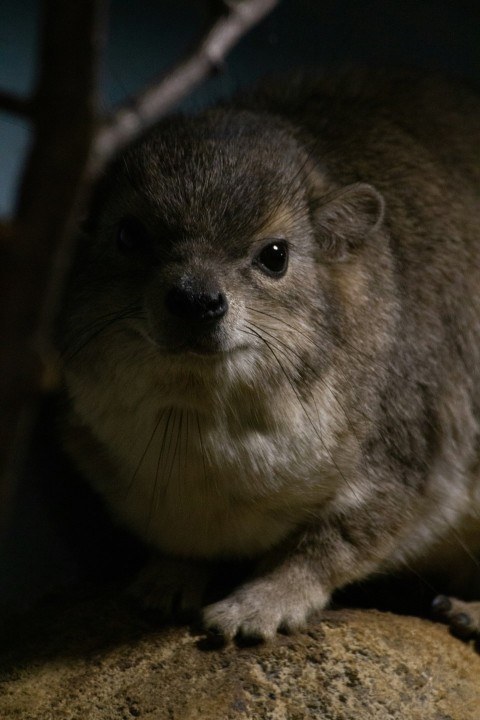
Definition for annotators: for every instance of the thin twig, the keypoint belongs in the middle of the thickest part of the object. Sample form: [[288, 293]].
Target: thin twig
[[34, 256], [234, 19]]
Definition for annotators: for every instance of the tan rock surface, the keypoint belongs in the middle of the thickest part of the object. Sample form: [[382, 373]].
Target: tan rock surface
[[91, 658]]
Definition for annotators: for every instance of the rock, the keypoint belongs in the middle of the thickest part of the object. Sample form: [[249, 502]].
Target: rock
[[93, 658]]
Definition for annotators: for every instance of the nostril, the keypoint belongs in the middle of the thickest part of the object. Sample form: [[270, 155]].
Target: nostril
[[196, 306], [215, 305]]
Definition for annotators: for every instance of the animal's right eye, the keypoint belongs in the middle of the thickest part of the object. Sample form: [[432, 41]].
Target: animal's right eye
[[132, 236]]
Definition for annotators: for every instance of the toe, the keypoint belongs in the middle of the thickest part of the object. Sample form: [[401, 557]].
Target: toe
[[463, 625], [462, 617], [441, 605]]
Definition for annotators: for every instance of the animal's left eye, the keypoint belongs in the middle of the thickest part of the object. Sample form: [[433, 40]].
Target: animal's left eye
[[273, 258], [132, 236]]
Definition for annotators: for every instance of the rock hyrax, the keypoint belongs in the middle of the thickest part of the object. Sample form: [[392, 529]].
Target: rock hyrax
[[272, 346]]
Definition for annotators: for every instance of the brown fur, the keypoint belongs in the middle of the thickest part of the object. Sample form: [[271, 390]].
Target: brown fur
[[327, 425]]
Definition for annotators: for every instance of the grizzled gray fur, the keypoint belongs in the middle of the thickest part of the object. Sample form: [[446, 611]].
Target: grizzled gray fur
[[272, 346]]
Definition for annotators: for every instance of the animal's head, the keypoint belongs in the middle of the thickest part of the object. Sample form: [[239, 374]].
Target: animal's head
[[216, 242]]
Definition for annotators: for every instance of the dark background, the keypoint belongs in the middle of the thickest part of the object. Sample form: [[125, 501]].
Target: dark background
[[144, 37]]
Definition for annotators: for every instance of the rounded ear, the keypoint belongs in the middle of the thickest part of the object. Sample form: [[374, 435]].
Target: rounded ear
[[342, 220]]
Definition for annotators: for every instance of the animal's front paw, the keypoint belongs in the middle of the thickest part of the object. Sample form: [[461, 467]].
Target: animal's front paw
[[261, 607], [463, 617], [172, 588]]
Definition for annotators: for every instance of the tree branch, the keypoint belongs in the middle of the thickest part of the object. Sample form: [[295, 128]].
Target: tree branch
[[233, 19], [34, 255]]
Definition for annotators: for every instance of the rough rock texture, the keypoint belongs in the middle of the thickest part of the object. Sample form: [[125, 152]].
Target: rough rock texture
[[92, 658]]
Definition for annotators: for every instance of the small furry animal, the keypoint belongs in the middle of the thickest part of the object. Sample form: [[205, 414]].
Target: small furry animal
[[272, 346]]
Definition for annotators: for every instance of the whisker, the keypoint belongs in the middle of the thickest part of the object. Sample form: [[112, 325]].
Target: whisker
[[97, 327], [202, 449], [475, 560], [186, 451], [157, 425], [99, 319], [377, 361], [357, 351], [177, 430], [168, 450], [325, 384], [333, 395], [154, 495], [302, 405]]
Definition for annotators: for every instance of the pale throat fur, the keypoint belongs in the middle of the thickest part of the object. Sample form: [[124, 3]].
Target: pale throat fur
[[210, 461]]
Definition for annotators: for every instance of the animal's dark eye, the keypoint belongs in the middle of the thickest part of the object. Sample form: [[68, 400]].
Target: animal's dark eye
[[132, 236], [273, 258]]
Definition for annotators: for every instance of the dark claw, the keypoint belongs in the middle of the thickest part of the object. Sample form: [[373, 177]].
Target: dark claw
[[461, 619], [211, 643], [441, 604], [248, 640], [215, 637], [461, 626]]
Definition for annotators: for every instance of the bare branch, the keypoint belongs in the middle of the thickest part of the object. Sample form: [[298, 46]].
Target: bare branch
[[36, 248], [235, 19], [11, 103]]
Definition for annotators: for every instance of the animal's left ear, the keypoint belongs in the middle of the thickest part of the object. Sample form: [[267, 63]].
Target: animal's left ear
[[342, 220]]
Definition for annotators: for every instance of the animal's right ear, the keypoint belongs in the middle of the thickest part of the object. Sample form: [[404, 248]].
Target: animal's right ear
[[342, 220]]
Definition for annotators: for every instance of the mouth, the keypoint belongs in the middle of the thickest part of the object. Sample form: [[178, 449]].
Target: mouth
[[192, 348], [178, 345], [197, 350], [208, 341], [207, 348], [200, 354]]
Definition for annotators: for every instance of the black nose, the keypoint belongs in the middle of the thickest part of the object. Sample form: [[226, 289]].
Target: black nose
[[186, 304]]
